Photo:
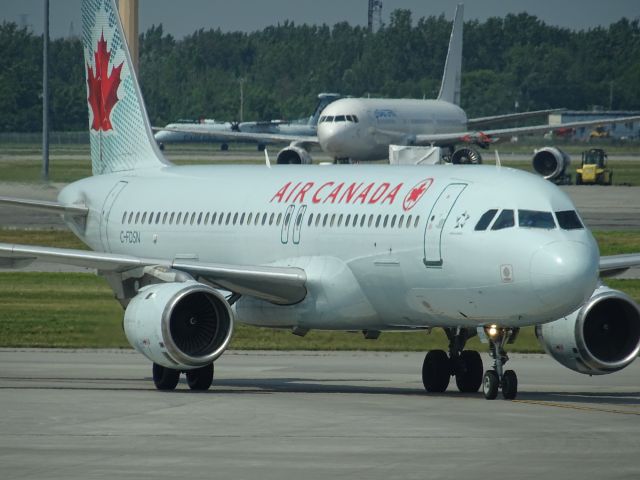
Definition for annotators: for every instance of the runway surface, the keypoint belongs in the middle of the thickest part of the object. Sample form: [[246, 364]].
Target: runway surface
[[315, 415]]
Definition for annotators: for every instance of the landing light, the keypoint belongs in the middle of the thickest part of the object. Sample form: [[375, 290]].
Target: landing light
[[492, 330]]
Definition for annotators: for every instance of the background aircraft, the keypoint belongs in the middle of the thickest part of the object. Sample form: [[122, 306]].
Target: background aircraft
[[187, 130], [188, 250], [361, 129]]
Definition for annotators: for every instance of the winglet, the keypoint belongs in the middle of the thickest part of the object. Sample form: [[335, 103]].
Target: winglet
[[450, 87]]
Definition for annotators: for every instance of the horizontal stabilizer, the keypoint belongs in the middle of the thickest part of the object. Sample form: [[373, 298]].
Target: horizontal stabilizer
[[46, 206]]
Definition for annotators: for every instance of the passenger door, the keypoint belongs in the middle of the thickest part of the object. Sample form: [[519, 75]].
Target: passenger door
[[436, 222]]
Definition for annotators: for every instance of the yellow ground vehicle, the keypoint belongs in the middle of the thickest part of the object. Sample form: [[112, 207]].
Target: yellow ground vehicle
[[594, 168]]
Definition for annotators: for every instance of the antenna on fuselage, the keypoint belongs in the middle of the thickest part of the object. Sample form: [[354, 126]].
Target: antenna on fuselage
[[266, 158]]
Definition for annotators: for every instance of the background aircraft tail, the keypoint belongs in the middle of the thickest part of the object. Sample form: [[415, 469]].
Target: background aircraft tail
[[450, 88], [119, 129]]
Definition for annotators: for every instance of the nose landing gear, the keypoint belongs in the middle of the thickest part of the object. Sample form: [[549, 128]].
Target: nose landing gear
[[498, 378]]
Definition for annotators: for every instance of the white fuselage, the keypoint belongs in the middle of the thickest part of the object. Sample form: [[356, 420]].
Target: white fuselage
[[382, 248], [362, 129]]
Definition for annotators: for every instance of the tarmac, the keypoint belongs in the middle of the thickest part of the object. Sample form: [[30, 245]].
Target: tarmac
[[310, 415]]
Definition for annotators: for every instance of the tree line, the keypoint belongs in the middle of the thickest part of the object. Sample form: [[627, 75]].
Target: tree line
[[514, 62]]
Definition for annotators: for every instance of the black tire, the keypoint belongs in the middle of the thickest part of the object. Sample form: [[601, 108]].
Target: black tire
[[490, 384], [436, 371], [469, 376], [224, 147], [578, 179], [165, 378], [509, 385], [200, 378]]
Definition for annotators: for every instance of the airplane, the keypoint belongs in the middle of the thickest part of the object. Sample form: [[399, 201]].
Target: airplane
[[191, 250], [362, 129], [184, 131]]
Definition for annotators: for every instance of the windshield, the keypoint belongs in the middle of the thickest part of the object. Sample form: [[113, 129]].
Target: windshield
[[535, 219]]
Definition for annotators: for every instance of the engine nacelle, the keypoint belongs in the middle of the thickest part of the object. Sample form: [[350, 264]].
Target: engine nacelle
[[466, 156], [551, 163], [603, 336], [294, 155], [179, 325]]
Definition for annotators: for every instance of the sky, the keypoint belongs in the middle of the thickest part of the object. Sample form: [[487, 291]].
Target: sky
[[181, 18]]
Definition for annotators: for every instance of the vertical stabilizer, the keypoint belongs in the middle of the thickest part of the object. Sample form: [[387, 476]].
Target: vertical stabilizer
[[450, 88], [121, 137]]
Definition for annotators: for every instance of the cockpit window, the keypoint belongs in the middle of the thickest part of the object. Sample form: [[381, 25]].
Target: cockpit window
[[340, 118], [355, 118], [568, 220], [322, 119], [535, 219], [485, 219], [328, 119], [505, 220]]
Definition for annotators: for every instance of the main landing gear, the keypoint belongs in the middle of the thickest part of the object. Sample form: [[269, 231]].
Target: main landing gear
[[465, 365], [497, 378], [167, 378]]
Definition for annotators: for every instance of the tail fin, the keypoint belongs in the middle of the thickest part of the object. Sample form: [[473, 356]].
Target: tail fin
[[121, 137], [450, 88]]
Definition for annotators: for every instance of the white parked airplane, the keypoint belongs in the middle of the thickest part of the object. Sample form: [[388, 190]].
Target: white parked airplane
[[373, 248], [361, 129]]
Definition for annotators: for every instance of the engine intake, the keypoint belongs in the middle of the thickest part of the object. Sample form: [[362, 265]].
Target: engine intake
[[602, 337], [294, 155], [552, 164], [466, 156], [179, 325]]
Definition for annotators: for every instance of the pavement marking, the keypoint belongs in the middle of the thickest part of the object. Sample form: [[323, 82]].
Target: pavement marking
[[578, 407]]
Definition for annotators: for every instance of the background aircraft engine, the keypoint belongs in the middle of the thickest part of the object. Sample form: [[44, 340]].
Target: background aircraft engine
[[603, 336], [294, 155], [179, 325], [550, 162], [466, 156]]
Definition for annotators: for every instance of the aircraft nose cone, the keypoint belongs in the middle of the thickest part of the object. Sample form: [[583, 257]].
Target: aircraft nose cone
[[564, 273], [331, 138]]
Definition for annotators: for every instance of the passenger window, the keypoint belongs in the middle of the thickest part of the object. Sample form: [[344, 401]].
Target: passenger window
[[408, 221], [355, 220], [333, 219], [164, 218], [273, 215], [310, 221], [185, 218], [378, 221], [158, 218], [130, 217], [569, 220], [279, 219], [401, 222], [193, 218], [235, 218], [213, 218], [199, 218], [393, 221], [485, 219], [264, 219], [124, 217], [299, 219], [535, 219], [171, 218], [137, 217], [221, 218], [286, 218], [226, 222], [242, 219], [249, 219], [370, 221], [362, 220], [504, 220], [347, 220], [386, 220], [144, 217], [340, 220], [415, 225]]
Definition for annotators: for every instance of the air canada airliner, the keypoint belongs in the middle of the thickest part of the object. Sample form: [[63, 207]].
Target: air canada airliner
[[191, 250], [353, 130]]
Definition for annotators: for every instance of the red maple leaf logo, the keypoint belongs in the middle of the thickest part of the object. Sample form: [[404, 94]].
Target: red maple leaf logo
[[103, 89], [415, 194]]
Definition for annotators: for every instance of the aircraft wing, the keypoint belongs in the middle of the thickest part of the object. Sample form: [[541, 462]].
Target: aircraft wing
[[281, 285], [479, 121], [614, 264], [489, 136], [251, 137], [44, 205]]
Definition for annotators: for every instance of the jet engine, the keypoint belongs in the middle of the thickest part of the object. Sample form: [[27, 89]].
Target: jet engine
[[182, 325], [602, 337], [466, 156], [552, 163], [294, 155]]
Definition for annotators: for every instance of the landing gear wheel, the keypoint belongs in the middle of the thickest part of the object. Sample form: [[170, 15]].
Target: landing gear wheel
[[509, 385], [165, 378], [490, 384], [469, 375], [224, 147], [436, 371], [200, 378]]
